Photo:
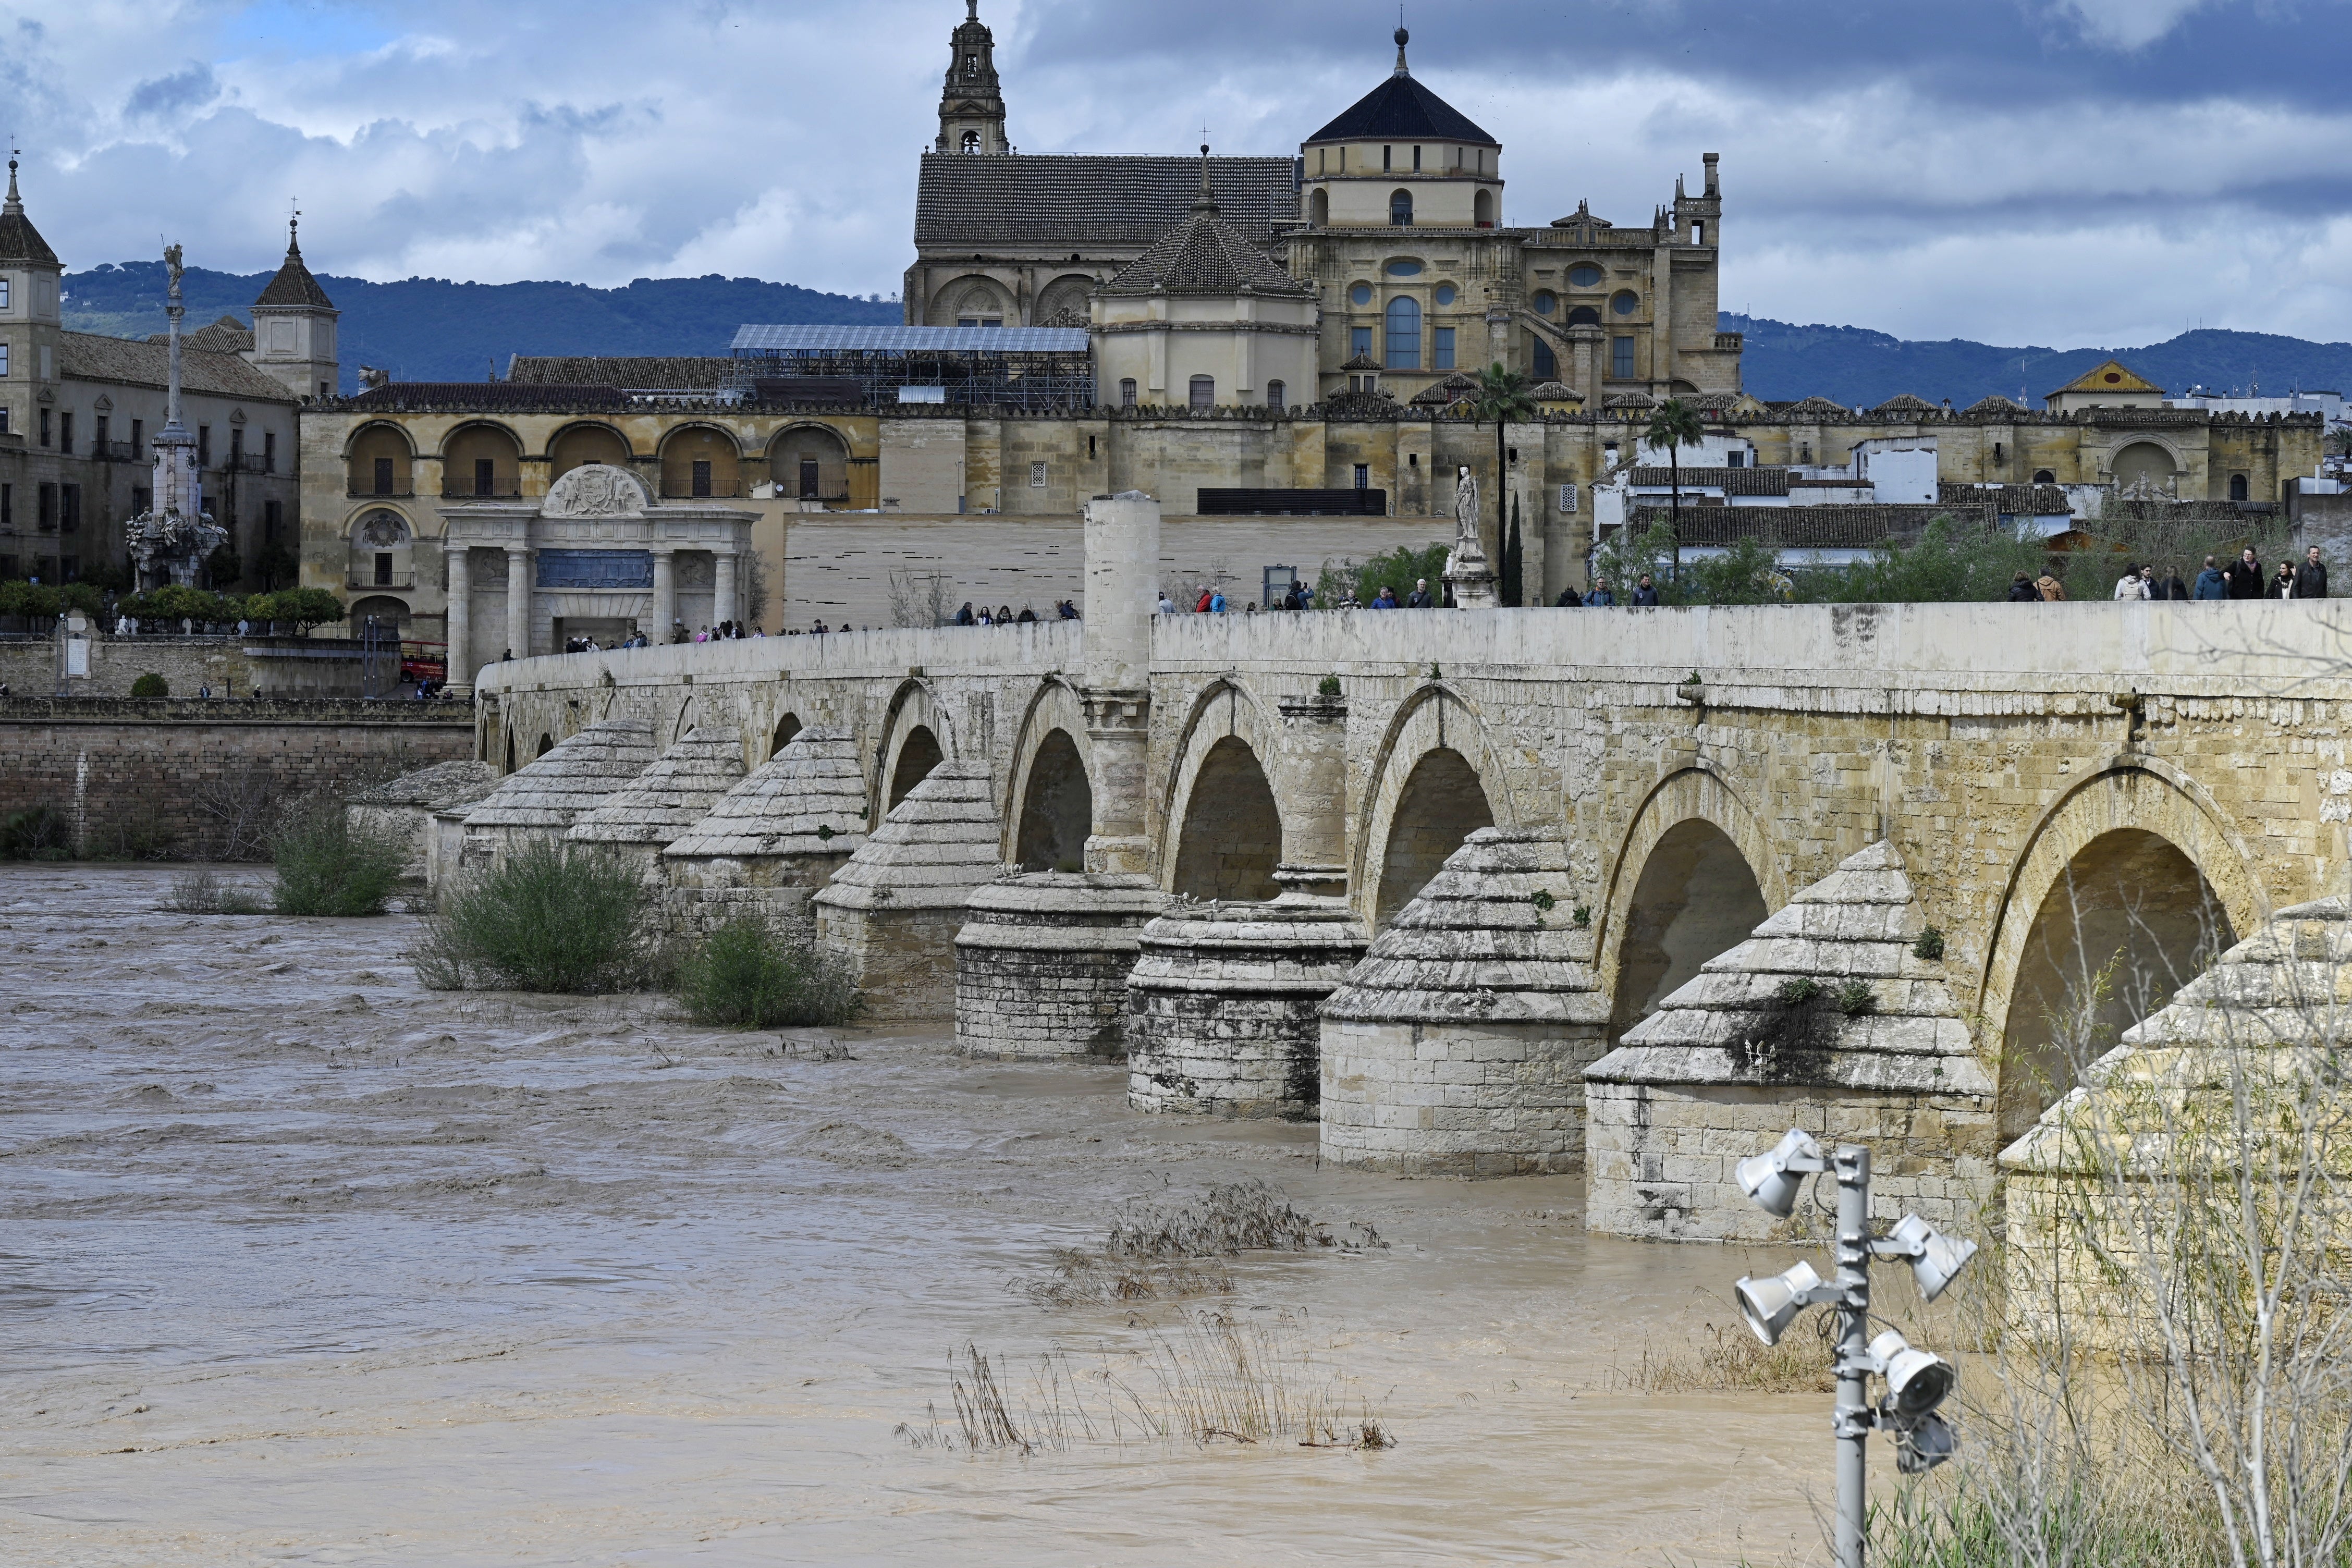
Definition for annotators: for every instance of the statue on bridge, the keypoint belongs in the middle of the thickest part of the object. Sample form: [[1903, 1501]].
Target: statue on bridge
[[1468, 572]]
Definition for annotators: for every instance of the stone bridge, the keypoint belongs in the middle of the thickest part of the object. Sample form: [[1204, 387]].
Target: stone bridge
[[2051, 784]]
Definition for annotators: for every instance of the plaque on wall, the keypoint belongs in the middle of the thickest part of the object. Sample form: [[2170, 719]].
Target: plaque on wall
[[595, 568]]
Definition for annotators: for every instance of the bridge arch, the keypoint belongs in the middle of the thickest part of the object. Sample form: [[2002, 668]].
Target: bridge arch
[[1435, 780], [1220, 834], [1050, 796], [1695, 875], [2136, 862], [915, 738]]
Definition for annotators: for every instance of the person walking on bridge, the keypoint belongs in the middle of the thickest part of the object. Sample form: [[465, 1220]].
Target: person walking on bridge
[[2212, 582], [2023, 591], [2311, 577], [2246, 575]]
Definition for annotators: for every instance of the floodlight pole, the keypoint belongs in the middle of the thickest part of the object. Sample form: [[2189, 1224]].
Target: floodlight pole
[[1852, 1423]]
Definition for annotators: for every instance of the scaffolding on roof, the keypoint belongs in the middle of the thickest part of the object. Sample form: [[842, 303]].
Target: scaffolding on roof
[[1030, 368]]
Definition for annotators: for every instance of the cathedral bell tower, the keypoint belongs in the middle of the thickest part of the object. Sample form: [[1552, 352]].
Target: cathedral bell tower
[[971, 105]]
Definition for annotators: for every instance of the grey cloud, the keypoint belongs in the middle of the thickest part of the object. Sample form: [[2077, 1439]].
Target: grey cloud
[[192, 87]]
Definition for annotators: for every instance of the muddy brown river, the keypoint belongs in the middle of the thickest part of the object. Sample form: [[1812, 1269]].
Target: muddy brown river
[[304, 1264]]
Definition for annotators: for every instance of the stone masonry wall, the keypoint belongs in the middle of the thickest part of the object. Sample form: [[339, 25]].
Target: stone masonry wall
[[232, 667], [1467, 1099], [197, 778]]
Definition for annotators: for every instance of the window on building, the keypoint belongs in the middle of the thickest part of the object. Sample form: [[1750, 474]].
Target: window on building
[[1621, 363], [269, 451], [1445, 294], [384, 568], [1388, 159], [971, 141], [1036, 475], [1363, 475], [4, 412], [1546, 301], [384, 475], [1360, 341], [2041, 476], [8, 567], [980, 321], [138, 436], [1277, 394], [1204, 392], [68, 568], [1403, 333], [1584, 275], [236, 447], [4, 293], [701, 477], [141, 500], [2237, 486], [8, 515], [45, 517], [273, 517], [1127, 391], [45, 427], [204, 446], [1584, 316], [1624, 301], [69, 508], [1735, 459], [4, 351], [810, 484], [1401, 209], [1698, 232], [65, 431], [1547, 364], [1805, 453], [1441, 348], [325, 390], [1996, 451], [1360, 295], [485, 477], [100, 446], [1416, 160]]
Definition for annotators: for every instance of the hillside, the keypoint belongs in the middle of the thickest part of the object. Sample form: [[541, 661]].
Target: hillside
[[429, 329], [1859, 367]]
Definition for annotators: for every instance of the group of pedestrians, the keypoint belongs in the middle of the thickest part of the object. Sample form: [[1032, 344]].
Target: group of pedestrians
[[1600, 596], [1003, 614], [2241, 579]]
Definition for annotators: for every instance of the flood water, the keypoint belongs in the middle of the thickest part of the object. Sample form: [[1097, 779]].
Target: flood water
[[304, 1264]]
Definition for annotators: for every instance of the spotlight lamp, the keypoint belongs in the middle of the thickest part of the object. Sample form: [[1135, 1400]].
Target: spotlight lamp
[[1916, 1381], [1773, 1179]]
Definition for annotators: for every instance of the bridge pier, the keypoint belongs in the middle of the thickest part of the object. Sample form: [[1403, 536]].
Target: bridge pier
[[684, 783], [545, 796], [775, 840], [892, 912]]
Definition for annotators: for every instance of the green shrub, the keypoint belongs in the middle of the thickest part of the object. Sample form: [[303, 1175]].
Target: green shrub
[[1798, 992], [1930, 944], [543, 920], [325, 867], [742, 977], [38, 832], [150, 685], [202, 892], [1856, 997]]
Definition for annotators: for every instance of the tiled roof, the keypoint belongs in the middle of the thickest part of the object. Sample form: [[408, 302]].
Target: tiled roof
[[411, 397], [1904, 403], [1455, 388], [1764, 481], [1205, 255], [89, 356], [638, 372], [226, 336], [1816, 404], [1629, 400], [1555, 392], [294, 286], [1829, 527], [1996, 403], [1404, 109], [1022, 198], [2011, 501]]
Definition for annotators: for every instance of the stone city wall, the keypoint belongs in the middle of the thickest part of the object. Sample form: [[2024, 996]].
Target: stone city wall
[[198, 779], [232, 667]]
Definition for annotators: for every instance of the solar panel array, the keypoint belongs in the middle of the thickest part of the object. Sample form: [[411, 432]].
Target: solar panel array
[[753, 338]]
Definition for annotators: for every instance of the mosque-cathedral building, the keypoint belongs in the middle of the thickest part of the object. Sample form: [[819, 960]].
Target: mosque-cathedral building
[[1277, 348]]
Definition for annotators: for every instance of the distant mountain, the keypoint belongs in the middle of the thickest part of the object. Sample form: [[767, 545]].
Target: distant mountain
[[429, 329], [1861, 368]]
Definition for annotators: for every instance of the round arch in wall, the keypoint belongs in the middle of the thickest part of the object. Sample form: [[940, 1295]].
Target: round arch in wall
[[1435, 779]]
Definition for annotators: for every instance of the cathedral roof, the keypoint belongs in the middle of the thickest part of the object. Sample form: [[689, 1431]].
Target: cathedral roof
[[92, 356], [2111, 377], [294, 286], [1086, 199], [20, 241], [1206, 255], [1401, 109]]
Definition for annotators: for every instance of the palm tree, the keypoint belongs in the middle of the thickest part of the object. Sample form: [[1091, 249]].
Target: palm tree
[[1502, 396], [1672, 424]]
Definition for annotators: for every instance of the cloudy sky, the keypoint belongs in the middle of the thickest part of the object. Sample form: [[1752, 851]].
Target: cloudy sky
[[2053, 172]]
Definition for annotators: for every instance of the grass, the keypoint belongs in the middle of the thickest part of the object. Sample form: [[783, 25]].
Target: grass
[[1172, 1250], [202, 892], [1212, 1379], [546, 920], [326, 866], [1733, 1360], [740, 976]]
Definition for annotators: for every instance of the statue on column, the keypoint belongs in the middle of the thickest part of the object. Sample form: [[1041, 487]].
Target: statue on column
[[172, 539], [1467, 571]]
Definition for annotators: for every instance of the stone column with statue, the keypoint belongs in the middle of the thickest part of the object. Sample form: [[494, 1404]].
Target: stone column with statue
[[1467, 571], [172, 539]]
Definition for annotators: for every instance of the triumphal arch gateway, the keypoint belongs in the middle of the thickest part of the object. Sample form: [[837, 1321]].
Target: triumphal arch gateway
[[1487, 891]]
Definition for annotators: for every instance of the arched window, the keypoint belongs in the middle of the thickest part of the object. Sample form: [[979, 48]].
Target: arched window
[[1204, 392], [2044, 477], [1276, 394], [1404, 333], [2237, 487], [1584, 316], [971, 141], [1545, 363], [1127, 391], [1401, 209], [1482, 209], [1318, 208]]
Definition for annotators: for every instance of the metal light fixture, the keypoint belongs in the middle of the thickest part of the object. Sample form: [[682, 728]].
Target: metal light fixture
[[1916, 1381], [1770, 1305], [1935, 1256], [1775, 1178]]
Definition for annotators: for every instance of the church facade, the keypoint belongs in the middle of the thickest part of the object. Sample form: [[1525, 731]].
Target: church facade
[[1393, 211]]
